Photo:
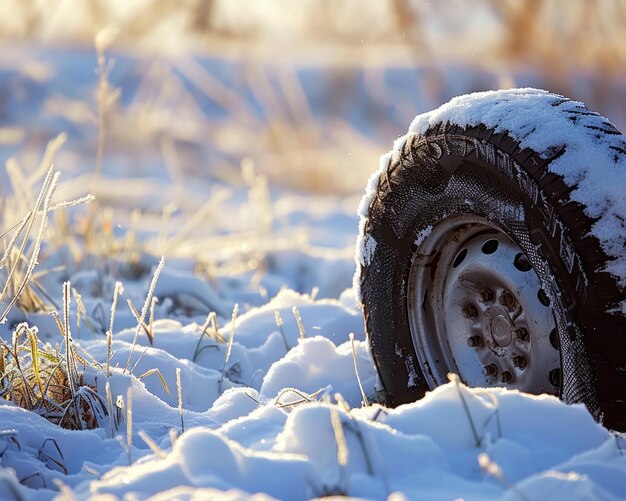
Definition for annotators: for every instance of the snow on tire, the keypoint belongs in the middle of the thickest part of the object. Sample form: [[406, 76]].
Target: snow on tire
[[492, 245]]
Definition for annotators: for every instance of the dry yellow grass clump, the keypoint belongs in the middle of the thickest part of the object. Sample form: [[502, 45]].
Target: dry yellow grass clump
[[39, 378]]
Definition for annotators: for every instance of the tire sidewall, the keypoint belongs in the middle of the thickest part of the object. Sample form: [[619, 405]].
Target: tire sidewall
[[520, 207]]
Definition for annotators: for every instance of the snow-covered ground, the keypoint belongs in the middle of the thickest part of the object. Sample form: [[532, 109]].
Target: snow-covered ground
[[270, 406]]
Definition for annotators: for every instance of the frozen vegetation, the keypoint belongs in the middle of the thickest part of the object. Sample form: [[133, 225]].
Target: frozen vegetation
[[250, 376]]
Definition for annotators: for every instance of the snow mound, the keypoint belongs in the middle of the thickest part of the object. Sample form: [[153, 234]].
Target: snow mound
[[494, 444], [316, 363]]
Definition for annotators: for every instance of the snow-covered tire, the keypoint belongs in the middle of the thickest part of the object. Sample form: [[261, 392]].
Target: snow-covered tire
[[492, 245]]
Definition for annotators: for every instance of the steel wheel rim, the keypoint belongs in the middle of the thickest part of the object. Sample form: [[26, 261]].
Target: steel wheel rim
[[477, 308]]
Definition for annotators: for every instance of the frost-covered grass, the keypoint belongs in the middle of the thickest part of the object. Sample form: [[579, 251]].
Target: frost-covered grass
[[195, 397]]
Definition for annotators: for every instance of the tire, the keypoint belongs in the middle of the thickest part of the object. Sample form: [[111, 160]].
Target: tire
[[482, 252]]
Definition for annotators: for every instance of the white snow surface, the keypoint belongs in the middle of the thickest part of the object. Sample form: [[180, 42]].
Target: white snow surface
[[284, 416], [543, 122]]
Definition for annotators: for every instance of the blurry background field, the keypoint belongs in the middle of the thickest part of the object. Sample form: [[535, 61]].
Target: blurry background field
[[234, 138], [201, 125]]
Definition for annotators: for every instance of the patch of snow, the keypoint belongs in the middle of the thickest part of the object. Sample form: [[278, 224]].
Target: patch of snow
[[421, 236], [255, 425], [317, 363]]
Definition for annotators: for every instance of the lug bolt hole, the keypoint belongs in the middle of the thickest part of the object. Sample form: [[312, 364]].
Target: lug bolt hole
[[490, 246], [554, 339], [555, 377], [521, 262], [543, 297], [475, 342], [459, 258]]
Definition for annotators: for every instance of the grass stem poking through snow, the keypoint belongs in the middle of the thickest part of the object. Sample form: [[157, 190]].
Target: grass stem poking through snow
[[340, 440], [106, 96], [365, 402], [353, 426], [117, 292], [494, 470], [216, 328], [303, 397], [279, 323], [152, 444], [129, 423], [109, 346], [296, 314], [72, 371], [156, 371], [81, 312], [144, 310], [211, 321], [153, 303], [496, 413], [230, 345], [454, 378], [43, 204], [112, 424], [119, 289], [179, 387]]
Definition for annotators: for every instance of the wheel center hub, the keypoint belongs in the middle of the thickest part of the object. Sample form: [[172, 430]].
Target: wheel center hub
[[501, 330]]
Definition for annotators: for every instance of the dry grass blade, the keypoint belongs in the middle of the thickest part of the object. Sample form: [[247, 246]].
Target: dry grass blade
[[109, 354], [43, 200], [72, 370], [232, 333], [340, 440], [59, 462], [129, 424], [34, 353], [280, 324], [179, 387], [112, 423], [303, 397], [144, 310], [138, 319], [61, 205], [456, 380], [81, 312], [37, 377], [158, 373], [52, 148], [296, 314], [150, 332], [152, 444], [3, 354], [106, 96], [229, 346], [21, 225], [119, 290], [214, 334], [493, 469], [356, 372]]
